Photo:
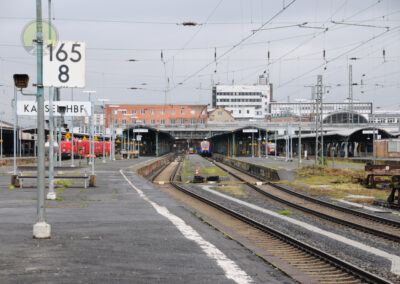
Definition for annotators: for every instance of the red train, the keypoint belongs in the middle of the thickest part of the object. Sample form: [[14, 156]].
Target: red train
[[81, 148]]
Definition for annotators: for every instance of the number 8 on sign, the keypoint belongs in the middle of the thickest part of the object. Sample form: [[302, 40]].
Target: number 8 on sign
[[64, 65]]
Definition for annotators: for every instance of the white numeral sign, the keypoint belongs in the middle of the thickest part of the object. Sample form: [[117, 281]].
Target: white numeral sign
[[64, 65]]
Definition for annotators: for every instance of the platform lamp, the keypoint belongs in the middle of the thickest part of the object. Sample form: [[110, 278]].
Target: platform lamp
[[20, 82]]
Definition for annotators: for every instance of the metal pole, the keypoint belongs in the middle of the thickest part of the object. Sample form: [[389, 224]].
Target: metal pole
[[40, 229], [104, 133], [72, 133], [59, 141], [299, 140], [276, 145], [266, 144], [373, 137], [15, 131], [34, 145], [129, 145], [252, 145], [91, 132], [112, 138], [157, 144], [51, 194]]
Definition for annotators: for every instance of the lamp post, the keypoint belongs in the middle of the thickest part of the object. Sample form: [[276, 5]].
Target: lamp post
[[40, 229], [72, 132], [91, 140], [104, 127], [112, 155]]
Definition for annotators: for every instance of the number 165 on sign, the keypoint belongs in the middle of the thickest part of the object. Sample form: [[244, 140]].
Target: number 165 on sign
[[64, 64]]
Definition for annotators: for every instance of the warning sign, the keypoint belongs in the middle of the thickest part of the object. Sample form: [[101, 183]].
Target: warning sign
[[84, 138], [118, 141], [96, 139], [67, 136]]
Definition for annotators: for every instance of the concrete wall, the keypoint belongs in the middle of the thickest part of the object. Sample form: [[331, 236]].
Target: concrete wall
[[146, 170], [20, 161], [267, 173]]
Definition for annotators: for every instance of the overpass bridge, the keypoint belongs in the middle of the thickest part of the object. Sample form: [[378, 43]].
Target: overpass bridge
[[202, 131]]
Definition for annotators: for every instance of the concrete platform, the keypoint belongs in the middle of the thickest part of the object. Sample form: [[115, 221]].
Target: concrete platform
[[116, 233]]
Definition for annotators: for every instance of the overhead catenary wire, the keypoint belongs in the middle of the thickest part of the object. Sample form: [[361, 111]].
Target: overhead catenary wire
[[237, 44]]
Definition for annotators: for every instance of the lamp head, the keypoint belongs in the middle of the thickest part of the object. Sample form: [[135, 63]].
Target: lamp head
[[21, 80]]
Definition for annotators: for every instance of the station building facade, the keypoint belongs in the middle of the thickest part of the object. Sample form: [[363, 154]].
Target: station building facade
[[244, 101], [129, 114], [308, 109]]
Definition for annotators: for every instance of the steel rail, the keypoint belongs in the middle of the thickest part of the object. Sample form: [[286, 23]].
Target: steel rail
[[316, 213], [321, 202], [341, 264]]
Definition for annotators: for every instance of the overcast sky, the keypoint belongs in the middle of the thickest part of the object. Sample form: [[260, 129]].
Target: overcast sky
[[116, 31]]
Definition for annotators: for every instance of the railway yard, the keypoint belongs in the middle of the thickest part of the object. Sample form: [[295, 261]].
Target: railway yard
[[367, 240], [232, 226]]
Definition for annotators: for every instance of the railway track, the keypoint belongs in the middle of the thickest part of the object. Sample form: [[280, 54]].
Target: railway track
[[367, 223], [319, 266]]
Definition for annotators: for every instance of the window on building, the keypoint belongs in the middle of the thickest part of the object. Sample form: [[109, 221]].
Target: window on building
[[202, 121], [116, 121], [124, 121], [123, 111], [134, 111], [240, 111], [144, 121], [248, 111], [173, 111], [182, 121], [162, 121], [152, 121], [162, 111], [192, 121], [143, 111], [203, 111], [152, 111], [192, 111], [182, 111], [133, 120], [172, 121], [220, 113]]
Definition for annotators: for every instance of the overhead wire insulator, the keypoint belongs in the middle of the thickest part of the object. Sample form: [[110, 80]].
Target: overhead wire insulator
[[384, 55], [215, 59], [162, 56]]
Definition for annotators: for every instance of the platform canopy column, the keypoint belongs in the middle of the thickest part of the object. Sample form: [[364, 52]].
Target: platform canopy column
[[233, 145], [157, 146]]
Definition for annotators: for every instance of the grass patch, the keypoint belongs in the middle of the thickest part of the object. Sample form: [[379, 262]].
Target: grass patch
[[285, 212], [189, 170], [335, 182], [58, 198]]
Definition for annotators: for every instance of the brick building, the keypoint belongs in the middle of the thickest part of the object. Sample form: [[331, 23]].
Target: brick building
[[156, 114]]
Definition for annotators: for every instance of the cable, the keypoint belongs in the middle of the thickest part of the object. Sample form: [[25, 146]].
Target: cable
[[236, 45], [333, 59]]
